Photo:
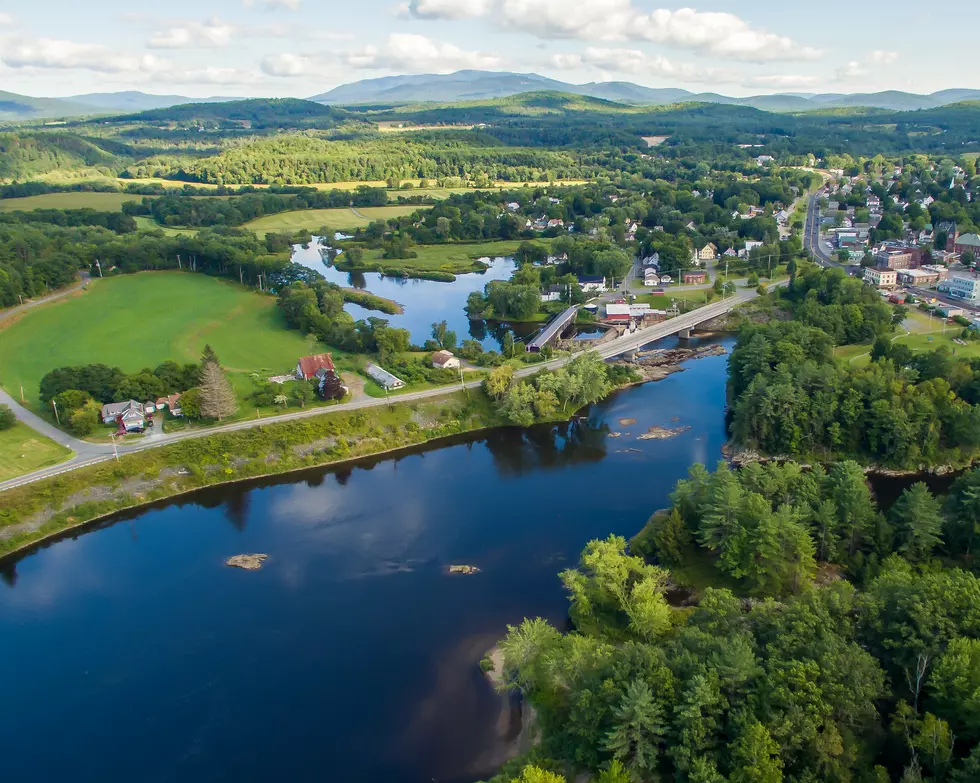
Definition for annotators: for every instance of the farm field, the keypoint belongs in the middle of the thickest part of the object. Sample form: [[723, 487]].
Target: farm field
[[342, 219], [141, 320], [104, 202], [22, 450]]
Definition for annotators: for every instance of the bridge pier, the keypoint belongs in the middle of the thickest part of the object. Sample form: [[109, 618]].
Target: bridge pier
[[630, 355], [684, 334]]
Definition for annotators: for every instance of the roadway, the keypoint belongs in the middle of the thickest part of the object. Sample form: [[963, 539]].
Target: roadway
[[811, 235], [91, 454]]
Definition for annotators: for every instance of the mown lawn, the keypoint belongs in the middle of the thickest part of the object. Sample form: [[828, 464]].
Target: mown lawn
[[22, 450], [342, 219], [136, 321], [925, 333], [104, 202], [149, 224]]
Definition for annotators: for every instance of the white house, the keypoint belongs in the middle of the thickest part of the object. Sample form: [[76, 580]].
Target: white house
[[384, 378], [592, 284], [750, 245], [444, 360], [650, 278], [130, 413]]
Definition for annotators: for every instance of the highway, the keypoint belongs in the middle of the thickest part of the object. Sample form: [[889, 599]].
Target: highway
[[92, 454]]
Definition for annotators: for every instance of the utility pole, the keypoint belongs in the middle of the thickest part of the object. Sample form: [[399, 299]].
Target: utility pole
[[98, 265], [57, 418], [115, 450], [461, 384]]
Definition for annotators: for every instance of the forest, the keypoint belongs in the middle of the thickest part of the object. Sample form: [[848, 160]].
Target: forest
[[790, 396], [855, 659]]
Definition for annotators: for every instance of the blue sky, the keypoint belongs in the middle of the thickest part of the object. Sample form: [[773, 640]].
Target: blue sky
[[303, 47]]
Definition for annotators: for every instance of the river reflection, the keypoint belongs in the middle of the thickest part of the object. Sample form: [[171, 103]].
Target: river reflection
[[425, 301], [352, 655]]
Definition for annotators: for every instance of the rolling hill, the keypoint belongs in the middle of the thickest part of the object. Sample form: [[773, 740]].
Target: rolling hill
[[134, 100], [21, 108], [483, 85]]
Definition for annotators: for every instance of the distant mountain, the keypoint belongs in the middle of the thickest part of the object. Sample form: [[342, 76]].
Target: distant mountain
[[249, 113], [19, 108], [484, 85], [133, 100]]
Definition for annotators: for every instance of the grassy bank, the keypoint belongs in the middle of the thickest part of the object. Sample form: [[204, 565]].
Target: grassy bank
[[340, 219], [22, 450], [45, 508]]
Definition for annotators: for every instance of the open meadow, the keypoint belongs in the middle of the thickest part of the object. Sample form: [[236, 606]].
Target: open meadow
[[342, 219], [23, 450], [141, 320], [103, 202]]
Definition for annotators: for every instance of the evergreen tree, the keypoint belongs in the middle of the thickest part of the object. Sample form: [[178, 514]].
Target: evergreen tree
[[638, 730], [218, 399], [209, 356], [756, 757], [917, 517]]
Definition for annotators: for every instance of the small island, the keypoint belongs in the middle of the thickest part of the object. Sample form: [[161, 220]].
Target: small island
[[463, 569], [248, 562]]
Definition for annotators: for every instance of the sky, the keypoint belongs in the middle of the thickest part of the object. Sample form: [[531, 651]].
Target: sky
[[302, 48]]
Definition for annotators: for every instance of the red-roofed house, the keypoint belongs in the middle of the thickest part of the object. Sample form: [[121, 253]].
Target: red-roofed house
[[308, 366]]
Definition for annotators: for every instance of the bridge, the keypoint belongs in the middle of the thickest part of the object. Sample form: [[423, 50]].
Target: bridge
[[91, 454], [553, 330]]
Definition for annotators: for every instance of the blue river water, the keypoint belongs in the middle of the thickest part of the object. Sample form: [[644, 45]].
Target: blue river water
[[130, 652], [425, 301]]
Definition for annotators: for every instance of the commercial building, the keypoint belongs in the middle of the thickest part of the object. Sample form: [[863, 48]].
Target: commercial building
[[918, 277], [962, 287], [881, 278]]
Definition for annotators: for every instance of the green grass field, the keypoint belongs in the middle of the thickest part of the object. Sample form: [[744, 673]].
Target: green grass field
[[104, 202], [924, 333], [141, 320], [342, 219], [453, 258], [149, 224], [23, 450]]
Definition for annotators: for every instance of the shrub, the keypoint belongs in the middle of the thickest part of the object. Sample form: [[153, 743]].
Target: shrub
[[7, 417]]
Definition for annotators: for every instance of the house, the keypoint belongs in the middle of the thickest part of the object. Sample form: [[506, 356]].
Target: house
[[730, 253], [384, 378], [552, 294], [694, 278], [513, 206], [171, 403], [592, 284], [556, 224], [692, 226], [444, 360], [975, 326], [962, 287], [762, 160], [950, 311], [651, 261], [650, 278], [129, 415], [308, 366], [708, 253], [881, 278], [967, 243], [750, 245]]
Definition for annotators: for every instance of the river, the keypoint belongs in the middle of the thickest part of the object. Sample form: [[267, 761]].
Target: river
[[424, 301], [131, 652]]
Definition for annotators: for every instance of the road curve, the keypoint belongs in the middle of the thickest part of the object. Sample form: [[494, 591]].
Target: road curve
[[91, 454]]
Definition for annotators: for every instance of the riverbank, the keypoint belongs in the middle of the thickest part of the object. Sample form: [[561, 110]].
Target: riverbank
[[48, 508]]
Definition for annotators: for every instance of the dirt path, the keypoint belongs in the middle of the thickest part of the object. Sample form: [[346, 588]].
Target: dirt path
[[355, 383], [15, 312]]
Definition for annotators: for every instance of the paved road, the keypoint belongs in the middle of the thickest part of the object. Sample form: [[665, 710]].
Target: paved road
[[811, 235], [13, 311], [91, 454]]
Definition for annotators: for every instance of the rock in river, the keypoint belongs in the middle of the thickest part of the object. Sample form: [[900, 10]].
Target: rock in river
[[662, 433], [248, 562], [463, 569]]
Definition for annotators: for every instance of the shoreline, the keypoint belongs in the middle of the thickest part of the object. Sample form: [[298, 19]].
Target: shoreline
[[70, 524]]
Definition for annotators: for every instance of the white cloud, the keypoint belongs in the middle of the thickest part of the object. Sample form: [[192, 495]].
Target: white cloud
[[193, 34], [787, 81], [282, 5], [718, 33], [447, 9], [633, 61], [879, 57], [62, 54], [6, 20], [286, 64], [417, 54], [855, 69]]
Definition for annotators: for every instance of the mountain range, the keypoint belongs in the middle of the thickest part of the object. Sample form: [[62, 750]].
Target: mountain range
[[483, 85], [479, 85]]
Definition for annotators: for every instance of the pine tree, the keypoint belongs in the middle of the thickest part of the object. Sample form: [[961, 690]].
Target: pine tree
[[918, 521], [638, 730], [217, 397], [209, 356]]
